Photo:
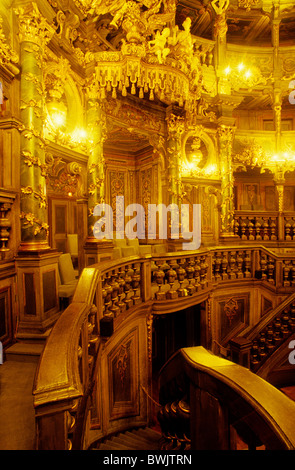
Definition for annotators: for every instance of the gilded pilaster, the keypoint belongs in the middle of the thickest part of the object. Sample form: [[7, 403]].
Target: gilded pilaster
[[34, 33], [96, 127], [225, 137], [175, 129]]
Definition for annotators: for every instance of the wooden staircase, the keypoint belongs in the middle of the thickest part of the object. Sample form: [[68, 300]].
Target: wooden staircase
[[136, 439]]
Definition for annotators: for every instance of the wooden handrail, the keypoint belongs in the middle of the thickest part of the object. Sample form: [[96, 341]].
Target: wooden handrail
[[233, 396]]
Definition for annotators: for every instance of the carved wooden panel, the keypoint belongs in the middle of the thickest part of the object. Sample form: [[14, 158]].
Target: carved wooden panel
[[266, 305], [123, 369], [29, 294], [49, 290], [233, 315], [117, 188]]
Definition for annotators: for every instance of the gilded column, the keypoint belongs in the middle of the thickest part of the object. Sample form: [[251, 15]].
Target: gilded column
[[34, 33], [225, 137], [96, 128], [37, 263], [175, 129]]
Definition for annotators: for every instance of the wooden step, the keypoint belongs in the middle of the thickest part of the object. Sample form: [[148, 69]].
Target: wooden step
[[108, 446], [148, 443], [148, 433], [24, 352], [131, 445], [135, 439]]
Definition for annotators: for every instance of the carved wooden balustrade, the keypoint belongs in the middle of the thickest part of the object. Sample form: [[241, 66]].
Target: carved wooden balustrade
[[271, 332], [180, 276], [257, 226], [265, 227], [110, 293]]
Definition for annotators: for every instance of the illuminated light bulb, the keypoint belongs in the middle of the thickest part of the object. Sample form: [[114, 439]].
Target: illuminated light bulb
[[58, 119], [227, 70], [248, 74], [70, 194], [210, 169], [240, 67], [79, 135], [58, 113]]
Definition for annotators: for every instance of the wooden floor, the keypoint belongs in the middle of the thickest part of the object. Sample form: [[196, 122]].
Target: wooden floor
[[17, 417]]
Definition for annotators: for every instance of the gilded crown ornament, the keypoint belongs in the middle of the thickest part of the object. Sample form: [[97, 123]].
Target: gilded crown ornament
[[154, 59]]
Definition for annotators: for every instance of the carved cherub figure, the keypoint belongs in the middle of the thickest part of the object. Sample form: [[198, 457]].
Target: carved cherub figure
[[181, 40], [158, 44]]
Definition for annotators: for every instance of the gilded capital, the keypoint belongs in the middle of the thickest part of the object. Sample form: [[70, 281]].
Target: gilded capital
[[33, 27]]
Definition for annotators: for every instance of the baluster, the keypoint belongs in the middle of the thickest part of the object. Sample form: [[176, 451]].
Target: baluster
[[261, 345], [224, 265], [293, 273], [115, 290], [240, 261], [277, 330], [247, 260], [270, 339], [218, 261], [104, 295], [237, 227], [127, 287], [258, 228], [203, 272], [121, 282], [255, 359], [198, 273], [108, 297], [136, 284], [288, 230], [270, 270], [171, 276], [92, 333], [263, 266], [273, 228], [286, 272], [292, 316], [159, 277], [190, 270], [232, 265], [182, 292], [213, 265], [265, 228], [293, 228], [243, 228], [251, 230], [285, 329]]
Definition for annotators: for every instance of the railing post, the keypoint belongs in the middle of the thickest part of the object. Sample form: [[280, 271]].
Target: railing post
[[278, 273], [145, 280], [281, 227], [240, 351], [210, 429]]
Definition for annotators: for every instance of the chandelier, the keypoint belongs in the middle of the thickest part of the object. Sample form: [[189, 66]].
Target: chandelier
[[154, 60], [241, 76]]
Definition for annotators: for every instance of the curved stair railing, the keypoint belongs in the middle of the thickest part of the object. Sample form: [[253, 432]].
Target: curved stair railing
[[222, 397], [263, 340], [107, 297]]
